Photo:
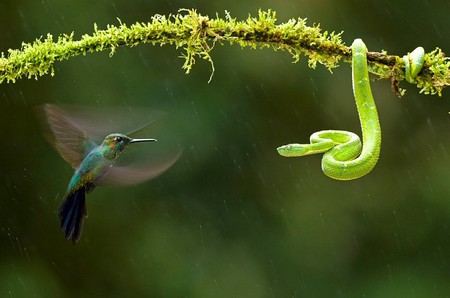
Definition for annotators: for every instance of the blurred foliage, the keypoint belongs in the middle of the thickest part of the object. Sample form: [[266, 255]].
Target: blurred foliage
[[231, 218]]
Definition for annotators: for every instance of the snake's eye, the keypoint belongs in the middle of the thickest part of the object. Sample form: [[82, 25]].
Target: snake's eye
[[118, 139]]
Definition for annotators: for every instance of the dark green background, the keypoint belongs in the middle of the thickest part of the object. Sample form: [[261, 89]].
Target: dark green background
[[231, 218]]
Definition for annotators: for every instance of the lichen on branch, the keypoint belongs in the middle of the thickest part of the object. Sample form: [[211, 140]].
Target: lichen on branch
[[197, 35]]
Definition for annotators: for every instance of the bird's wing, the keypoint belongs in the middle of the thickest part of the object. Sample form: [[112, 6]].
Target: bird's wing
[[137, 173], [99, 121], [71, 141]]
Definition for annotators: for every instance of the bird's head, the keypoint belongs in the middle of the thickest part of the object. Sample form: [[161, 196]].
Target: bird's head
[[115, 143]]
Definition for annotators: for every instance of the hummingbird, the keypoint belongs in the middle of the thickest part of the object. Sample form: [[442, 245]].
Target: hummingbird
[[93, 164]]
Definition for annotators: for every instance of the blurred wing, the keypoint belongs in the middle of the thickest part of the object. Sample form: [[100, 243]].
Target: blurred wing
[[134, 174], [97, 122], [71, 142]]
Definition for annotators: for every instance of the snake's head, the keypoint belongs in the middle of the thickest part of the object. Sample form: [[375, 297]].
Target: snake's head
[[293, 150]]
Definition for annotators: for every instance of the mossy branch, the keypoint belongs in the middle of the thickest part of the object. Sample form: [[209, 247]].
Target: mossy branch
[[198, 34]]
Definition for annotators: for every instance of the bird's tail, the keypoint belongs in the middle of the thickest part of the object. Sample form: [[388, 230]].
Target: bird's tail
[[71, 214]]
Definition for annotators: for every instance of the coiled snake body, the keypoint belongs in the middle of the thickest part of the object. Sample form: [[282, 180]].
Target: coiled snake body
[[345, 158]]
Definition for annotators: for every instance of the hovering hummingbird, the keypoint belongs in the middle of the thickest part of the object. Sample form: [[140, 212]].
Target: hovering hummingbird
[[93, 164]]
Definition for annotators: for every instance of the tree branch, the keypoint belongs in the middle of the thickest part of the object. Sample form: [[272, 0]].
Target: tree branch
[[198, 34]]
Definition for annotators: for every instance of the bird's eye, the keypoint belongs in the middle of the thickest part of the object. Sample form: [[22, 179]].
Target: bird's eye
[[118, 139]]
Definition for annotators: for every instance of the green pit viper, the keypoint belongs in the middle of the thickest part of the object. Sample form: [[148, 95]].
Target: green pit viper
[[345, 157]]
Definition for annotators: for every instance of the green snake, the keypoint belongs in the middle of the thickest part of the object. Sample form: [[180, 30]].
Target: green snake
[[345, 157]]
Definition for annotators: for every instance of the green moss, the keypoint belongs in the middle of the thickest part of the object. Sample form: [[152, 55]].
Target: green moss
[[435, 74], [197, 35]]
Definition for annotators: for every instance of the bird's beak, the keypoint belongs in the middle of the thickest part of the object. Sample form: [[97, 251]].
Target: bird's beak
[[142, 140]]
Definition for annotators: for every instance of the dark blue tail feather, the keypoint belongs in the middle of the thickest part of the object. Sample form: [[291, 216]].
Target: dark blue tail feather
[[71, 214]]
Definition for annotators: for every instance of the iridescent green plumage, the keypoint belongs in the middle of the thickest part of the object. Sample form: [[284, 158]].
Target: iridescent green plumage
[[93, 164]]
